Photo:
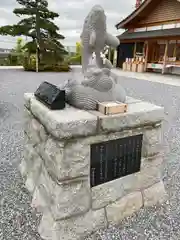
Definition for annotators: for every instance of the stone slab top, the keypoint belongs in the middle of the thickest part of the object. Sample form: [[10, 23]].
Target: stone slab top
[[72, 122]]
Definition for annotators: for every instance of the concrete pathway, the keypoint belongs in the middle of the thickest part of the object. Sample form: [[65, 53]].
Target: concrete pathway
[[173, 80], [10, 67]]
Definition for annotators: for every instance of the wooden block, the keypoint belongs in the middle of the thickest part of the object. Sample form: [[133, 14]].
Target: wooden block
[[134, 67], [140, 68], [129, 66], [109, 108], [124, 67]]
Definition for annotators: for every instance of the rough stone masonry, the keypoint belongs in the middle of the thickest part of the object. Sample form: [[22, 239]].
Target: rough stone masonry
[[56, 167]]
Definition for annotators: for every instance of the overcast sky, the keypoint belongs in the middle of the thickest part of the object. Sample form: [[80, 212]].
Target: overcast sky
[[72, 14]]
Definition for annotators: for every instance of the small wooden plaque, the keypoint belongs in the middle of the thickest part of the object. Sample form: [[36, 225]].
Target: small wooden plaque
[[109, 108]]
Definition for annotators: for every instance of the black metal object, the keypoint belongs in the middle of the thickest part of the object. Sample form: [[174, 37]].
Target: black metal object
[[114, 159], [51, 96]]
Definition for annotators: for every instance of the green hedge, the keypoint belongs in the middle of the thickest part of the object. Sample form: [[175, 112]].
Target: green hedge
[[29, 64]]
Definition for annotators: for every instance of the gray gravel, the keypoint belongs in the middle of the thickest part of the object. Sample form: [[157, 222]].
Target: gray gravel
[[19, 221]]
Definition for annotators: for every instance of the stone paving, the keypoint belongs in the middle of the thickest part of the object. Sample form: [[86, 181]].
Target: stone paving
[[18, 221]]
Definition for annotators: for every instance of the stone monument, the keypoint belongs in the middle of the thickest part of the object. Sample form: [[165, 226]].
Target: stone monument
[[86, 170]]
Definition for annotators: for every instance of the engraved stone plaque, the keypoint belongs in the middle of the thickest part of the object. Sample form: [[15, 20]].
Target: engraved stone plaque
[[51, 96], [114, 159]]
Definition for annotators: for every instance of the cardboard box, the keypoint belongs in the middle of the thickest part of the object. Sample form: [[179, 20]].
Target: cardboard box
[[109, 108]]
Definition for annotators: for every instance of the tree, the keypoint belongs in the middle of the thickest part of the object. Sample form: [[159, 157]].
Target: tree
[[19, 48], [78, 48], [17, 54], [39, 26], [76, 59]]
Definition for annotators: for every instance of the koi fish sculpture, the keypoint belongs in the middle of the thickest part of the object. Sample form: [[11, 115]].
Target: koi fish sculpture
[[94, 37], [98, 84]]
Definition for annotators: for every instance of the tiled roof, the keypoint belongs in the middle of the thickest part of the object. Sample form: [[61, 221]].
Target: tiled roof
[[150, 34]]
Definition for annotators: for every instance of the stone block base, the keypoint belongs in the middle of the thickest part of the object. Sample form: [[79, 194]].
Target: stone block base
[[56, 167]]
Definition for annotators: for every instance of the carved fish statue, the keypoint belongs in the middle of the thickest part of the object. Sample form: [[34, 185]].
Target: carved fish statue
[[94, 37], [98, 84], [99, 80]]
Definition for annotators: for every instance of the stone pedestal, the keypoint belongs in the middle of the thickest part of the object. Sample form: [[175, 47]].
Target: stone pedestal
[[56, 167]]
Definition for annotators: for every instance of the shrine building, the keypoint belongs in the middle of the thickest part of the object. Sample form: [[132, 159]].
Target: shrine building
[[152, 35]]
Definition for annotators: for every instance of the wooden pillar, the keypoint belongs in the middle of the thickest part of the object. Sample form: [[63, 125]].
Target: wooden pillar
[[165, 57], [135, 47], [115, 58], [153, 50], [175, 49], [144, 50], [146, 56]]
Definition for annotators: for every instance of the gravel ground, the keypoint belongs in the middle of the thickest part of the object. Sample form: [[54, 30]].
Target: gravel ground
[[18, 221]]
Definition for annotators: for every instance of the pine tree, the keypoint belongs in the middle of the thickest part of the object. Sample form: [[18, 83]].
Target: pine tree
[[39, 26]]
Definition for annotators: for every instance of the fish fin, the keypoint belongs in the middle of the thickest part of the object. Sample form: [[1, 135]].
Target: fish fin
[[92, 39], [111, 40]]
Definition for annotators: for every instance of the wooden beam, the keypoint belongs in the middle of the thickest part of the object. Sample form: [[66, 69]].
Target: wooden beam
[[140, 25], [146, 56], [150, 39], [165, 57]]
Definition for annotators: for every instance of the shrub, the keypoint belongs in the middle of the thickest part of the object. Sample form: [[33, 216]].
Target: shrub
[[29, 64], [75, 60], [15, 59]]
